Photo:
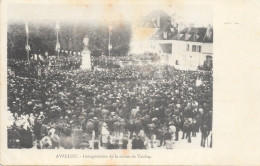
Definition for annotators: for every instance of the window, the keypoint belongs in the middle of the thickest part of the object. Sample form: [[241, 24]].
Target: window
[[165, 34], [208, 61], [166, 48], [177, 62], [196, 37], [188, 47], [187, 36], [193, 48], [198, 48]]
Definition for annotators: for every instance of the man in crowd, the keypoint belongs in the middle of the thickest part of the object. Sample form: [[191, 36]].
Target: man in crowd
[[103, 103]]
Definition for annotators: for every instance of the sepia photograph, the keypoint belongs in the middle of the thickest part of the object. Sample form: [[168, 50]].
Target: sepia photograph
[[129, 82], [101, 77]]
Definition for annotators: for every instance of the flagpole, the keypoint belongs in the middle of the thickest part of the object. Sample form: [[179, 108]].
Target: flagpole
[[27, 42], [27, 47], [58, 42], [109, 43]]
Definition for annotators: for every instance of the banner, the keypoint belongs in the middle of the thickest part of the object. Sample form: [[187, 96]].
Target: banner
[[26, 27], [57, 25], [57, 48], [39, 72], [198, 82], [110, 46]]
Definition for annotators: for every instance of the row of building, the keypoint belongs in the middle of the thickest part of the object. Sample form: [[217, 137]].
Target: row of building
[[183, 47]]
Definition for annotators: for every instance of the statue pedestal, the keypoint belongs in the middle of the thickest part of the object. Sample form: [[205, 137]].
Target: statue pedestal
[[86, 62]]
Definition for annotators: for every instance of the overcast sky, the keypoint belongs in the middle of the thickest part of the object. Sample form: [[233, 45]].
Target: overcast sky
[[200, 15]]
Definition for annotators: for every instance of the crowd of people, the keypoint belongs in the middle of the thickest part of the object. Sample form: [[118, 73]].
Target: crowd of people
[[65, 62], [119, 61], [138, 107], [104, 62], [26, 69]]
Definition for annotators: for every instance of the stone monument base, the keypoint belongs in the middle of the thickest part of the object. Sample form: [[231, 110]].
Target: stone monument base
[[86, 62]]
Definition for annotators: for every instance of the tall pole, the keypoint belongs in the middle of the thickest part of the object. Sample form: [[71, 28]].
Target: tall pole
[[27, 44], [109, 42], [27, 47], [57, 43]]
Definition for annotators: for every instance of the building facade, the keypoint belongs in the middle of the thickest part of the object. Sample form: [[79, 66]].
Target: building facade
[[186, 48], [189, 49]]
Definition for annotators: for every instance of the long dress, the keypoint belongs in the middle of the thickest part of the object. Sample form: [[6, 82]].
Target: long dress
[[105, 134]]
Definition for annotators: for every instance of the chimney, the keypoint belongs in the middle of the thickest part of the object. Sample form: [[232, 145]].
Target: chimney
[[208, 34], [176, 27], [158, 21], [190, 26], [172, 20]]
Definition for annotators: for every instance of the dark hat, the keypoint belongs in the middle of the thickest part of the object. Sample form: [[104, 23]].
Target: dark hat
[[84, 145]]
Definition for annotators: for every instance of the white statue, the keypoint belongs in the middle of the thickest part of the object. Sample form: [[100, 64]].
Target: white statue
[[85, 42], [85, 53]]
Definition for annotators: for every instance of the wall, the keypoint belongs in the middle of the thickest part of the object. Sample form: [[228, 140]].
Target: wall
[[188, 59]]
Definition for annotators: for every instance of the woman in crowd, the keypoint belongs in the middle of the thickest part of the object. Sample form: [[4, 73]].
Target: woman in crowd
[[132, 101]]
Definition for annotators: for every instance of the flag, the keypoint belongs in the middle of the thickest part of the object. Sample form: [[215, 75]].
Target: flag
[[35, 56], [39, 72], [57, 25], [198, 82], [110, 30], [110, 46], [27, 48], [57, 48], [41, 58], [26, 27]]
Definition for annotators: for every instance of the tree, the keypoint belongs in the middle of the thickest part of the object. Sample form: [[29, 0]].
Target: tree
[[42, 37], [16, 41]]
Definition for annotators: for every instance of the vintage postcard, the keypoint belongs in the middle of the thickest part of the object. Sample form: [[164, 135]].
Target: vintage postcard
[[126, 83]]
